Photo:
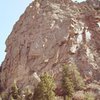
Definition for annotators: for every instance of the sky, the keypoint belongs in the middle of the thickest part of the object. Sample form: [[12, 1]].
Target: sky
[[10, 11], [78, 0]]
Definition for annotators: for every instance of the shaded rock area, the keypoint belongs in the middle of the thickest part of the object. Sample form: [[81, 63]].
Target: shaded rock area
[[49, 34]]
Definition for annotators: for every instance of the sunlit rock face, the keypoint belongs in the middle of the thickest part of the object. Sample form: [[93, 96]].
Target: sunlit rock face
[[49, 34]]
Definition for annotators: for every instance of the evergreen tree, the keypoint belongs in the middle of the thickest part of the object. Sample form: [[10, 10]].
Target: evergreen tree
[[45, 89], [67, 83], [76, 77], [78, 81], [71, 71]]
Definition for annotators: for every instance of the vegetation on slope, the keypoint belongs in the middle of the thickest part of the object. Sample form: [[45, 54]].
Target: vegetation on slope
[[45, 90]]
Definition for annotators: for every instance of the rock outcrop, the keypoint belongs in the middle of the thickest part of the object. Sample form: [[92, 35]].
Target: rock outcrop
[[94, 3], [49, 34]]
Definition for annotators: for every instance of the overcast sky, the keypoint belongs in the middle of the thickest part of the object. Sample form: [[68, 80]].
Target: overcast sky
[[10, 11]]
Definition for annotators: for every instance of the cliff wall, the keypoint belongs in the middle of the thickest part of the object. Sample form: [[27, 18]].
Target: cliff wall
[[49, 34]]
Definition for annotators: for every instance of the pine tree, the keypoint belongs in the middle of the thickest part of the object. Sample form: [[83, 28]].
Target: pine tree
[[67, 83], [76, 77], [45, 89], [71, 71]]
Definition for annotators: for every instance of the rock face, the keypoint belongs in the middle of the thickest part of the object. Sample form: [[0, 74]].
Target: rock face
[[49, 34], [94, 3]]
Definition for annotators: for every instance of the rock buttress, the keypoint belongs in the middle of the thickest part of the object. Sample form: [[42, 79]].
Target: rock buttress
[[49, 34]]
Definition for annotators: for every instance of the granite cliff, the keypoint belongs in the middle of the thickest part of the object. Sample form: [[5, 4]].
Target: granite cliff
[[49, 34]]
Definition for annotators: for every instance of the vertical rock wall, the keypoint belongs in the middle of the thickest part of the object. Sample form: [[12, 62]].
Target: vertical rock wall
[[49, 34]]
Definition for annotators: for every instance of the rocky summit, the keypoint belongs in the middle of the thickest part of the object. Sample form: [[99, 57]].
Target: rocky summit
[[49, 34]]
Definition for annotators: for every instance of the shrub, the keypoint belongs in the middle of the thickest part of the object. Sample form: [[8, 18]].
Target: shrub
[[28, 94], [15, 92], [89, 96], [4, 96]]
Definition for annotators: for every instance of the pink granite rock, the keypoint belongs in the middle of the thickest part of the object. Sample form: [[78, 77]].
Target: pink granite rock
[[49, 34]]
